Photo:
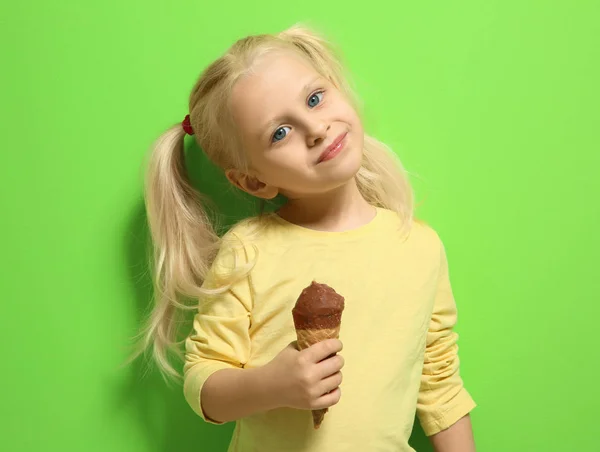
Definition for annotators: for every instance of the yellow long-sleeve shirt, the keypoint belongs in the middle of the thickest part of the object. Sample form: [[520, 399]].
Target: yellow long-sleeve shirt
[[397, 329]]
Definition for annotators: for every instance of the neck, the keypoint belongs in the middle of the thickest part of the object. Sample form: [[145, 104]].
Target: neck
[[341, 209]]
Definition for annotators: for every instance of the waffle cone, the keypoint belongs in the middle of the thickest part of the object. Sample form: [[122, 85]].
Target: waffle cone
[[306, 338]]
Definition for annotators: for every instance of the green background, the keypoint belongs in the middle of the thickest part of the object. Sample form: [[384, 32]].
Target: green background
[[493, 107]]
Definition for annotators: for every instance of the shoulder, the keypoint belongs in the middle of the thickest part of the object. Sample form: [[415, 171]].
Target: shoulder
[[426, 233], [235, 255], [417, 232], [233, 248], [250, 235], [420, 239], [249, 231], [262, 232], [235, 242], [431, 241]]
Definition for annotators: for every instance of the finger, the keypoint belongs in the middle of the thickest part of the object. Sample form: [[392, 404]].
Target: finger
[[322, 350], [328, 400], [329, 366], [330, 383]]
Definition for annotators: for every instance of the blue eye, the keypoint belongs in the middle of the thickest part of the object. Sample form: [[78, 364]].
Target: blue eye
[[315, 99], [280, 134]]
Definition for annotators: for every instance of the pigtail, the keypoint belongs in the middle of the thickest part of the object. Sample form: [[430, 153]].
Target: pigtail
[[382, 179], [184, 245]]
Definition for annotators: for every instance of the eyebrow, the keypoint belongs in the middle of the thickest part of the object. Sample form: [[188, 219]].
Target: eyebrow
[[268, 126]]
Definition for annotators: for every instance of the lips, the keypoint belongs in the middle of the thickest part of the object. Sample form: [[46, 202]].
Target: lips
[[334, 148]]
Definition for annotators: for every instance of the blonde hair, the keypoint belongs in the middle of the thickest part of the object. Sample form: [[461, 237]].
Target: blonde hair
[[184, 240]]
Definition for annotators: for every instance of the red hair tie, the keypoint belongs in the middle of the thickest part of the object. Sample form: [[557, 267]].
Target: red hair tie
[[187, 126]]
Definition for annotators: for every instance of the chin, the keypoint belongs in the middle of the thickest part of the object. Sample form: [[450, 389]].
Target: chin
[[348, 165], [343, 174]]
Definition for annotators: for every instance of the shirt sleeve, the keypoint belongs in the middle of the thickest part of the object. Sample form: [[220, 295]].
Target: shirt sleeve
[[220, 333], [442, 399]]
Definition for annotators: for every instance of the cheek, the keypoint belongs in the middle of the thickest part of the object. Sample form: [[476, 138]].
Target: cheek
[[357, 133], [286, 164], [351, 116], [356, 121]]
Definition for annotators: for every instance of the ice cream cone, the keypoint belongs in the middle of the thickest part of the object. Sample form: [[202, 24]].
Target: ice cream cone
[[317, 317]]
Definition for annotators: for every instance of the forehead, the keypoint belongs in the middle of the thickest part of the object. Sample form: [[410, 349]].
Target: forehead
[[275, 81]]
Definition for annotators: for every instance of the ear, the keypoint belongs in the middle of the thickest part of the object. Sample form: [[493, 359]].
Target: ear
[[251, 185]]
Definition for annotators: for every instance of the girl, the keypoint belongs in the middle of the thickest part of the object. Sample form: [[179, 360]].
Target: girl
[[276, 114]]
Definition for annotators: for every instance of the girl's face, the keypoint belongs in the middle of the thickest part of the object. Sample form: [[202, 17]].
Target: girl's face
[[301, 134]]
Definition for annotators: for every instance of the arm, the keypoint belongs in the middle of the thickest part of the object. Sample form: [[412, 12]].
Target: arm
[[307, 379], [231, 394], [218, 347], [443, 401], [457, 438]]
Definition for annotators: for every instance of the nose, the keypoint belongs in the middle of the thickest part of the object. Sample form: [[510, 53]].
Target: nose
[[316, 132]]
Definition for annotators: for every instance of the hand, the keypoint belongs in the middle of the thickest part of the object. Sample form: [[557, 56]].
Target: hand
[[307, 379]]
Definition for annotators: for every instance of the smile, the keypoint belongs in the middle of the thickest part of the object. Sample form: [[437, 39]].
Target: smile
[[334, 148]]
